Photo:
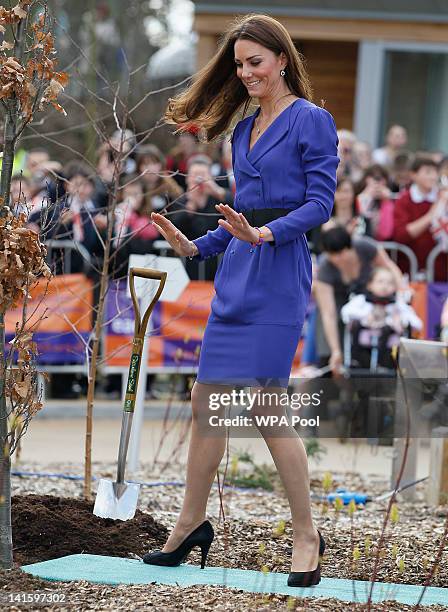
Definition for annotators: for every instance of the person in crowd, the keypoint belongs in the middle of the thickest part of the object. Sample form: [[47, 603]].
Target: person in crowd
[[177, 159], [72, 217], [344, 269], [20, 195], [160, 189], [396, 141], [106, 168], [134, 232], [222, 170], [401, 174], [125, 141], [443, 172], [34, 160], [362, 155], [348, 166], [343, 214], [195, 213], [374, 203], [47, 184], [344, 210], [378, 317], [417, 213], [439, 224]]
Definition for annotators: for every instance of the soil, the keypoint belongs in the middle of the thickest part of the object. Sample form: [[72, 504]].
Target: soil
[[46, 527]]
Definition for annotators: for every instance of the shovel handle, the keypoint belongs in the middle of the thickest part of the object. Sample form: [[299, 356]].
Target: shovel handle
[[148, 273], [140, 329]]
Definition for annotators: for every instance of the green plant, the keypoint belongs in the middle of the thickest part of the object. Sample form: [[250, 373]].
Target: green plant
[[251, 475], [314, 448]]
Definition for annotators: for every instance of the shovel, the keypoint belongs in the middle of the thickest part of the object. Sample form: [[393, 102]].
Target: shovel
[[118, 500]]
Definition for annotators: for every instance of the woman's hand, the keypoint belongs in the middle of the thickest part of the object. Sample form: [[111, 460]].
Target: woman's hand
[[237, 224], [178, 240]]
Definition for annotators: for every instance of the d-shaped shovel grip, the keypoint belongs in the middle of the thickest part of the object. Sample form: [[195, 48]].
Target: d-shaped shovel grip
[[140, 329]]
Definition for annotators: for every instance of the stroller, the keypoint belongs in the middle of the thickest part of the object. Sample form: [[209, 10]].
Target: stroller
[[367, 405]]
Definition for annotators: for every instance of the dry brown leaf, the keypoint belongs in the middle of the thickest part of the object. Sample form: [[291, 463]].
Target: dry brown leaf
[[22, 389], [62, 78], [13, 64], [53, 89], [5, 46], [59, 108], [19, 12]]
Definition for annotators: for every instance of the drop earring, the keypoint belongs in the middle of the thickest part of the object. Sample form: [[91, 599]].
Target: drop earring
[[282, 73]]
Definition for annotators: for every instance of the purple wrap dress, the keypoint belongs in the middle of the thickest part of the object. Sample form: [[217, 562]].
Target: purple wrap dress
[[262, 293]]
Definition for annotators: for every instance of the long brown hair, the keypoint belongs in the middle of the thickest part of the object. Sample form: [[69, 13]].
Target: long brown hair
[[217, 93]]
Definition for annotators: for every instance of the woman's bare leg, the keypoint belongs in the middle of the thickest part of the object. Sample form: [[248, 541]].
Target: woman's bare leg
[[290, 458], [205, 452]]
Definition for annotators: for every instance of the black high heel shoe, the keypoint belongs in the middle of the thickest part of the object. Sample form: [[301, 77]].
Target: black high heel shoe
[[311, 578], [202, 536]]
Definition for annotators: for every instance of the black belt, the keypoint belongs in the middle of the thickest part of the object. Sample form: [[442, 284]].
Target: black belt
[[260, 216]]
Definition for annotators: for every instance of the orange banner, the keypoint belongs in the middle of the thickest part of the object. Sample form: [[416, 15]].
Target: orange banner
[[60, 316]]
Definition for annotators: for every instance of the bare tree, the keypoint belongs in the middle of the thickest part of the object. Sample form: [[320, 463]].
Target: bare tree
[[28, 81]]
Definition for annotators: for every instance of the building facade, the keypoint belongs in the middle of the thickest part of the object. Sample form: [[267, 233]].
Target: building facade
[[374, 62]]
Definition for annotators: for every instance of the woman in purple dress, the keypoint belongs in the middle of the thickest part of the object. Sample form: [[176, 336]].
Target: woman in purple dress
[[284, 161]]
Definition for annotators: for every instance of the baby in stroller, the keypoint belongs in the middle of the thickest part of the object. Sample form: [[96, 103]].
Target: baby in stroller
[[376, 319]]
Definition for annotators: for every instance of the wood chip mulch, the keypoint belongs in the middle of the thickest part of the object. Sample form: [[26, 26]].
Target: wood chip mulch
[[253, 537]]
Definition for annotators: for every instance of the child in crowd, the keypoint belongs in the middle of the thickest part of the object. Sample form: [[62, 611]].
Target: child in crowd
[[133, 214], [160, 189], [378, 317], [417, 215], [374, 203]]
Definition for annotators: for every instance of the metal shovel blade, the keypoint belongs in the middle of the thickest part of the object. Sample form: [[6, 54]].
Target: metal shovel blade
[[116, 500]]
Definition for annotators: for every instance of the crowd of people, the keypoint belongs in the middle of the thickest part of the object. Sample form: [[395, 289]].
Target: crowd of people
[[385, 194]]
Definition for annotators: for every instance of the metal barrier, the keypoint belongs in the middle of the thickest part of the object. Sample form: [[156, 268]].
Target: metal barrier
[[68, 246], [395, 248], [431, 261]]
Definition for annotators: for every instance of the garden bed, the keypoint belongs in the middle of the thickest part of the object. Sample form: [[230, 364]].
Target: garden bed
[[50, 519]]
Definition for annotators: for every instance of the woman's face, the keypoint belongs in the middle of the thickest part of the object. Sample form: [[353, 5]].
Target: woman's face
[[343, 198], [150, 165], [258, 68], [133, 195]]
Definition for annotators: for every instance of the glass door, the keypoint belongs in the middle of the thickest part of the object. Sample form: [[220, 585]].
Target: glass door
[[415, 95]]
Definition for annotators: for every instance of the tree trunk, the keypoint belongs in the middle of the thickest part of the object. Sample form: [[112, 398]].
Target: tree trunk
[[5, 467], [96, 343]]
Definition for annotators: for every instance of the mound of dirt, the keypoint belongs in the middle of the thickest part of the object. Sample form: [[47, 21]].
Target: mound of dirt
[[46, 527]]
